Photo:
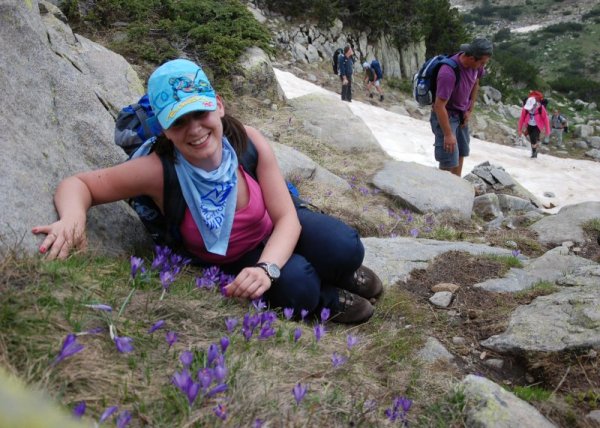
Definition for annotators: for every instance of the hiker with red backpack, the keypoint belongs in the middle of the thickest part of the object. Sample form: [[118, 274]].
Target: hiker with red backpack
[[455, 94], [533, 120], [219, 212]]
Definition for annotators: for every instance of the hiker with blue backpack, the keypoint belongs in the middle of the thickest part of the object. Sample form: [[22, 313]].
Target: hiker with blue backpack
[[373, 76], [453, 91], [223, 209]]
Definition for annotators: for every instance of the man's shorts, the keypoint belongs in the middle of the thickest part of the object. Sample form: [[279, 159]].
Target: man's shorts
[[447, 159]]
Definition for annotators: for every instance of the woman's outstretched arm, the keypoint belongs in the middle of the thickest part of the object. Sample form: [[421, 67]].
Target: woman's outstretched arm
[[76, 194]]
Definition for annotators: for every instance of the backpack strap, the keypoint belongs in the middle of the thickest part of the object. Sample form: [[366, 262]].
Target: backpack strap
[[143, 118]]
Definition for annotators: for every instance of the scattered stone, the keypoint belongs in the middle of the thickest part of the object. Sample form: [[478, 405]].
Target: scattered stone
[[461, 341], [489, 405], [566, 225], [487, 206], [434, 351], [445, 286], [441, 299], [549, 195], [582, 276], [594, 154], [494, 363], [594, 415]]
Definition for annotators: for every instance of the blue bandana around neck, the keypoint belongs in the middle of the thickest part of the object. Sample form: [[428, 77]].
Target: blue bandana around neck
[[211, 197]]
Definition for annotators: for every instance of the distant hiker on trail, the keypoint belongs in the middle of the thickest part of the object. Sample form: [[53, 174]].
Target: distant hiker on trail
[[558, 123], [533, 120], [222, 210], [373, 78], [345, 72], [454, 102]]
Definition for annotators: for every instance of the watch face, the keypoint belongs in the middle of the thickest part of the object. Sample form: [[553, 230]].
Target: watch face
[[273, 270]]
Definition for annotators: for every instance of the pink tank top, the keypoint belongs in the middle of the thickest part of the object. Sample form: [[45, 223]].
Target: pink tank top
[[251, 225]]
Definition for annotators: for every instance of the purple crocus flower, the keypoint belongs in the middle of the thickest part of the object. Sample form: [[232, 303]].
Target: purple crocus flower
[[303, 313], [351, 341], [268, 317], [230, 324], [259, 304], [266, 332], [69, 347], [325, 312], [186, 358], [158, 324], [79, 409], [171, 338], [224, 344], [107, 414], [515, 253], [205, 378], [299, 392], [212, 354], [414, 232], [297, 334], [319, 331], [166, 278], [219, 373], [400, 406], [220, 411], [202, 282], [95, 330], [288, 313], [182, 380], [217, 389], [123, 419], [136, 264], [337, 360], [99, 307], [192, 392], [124, 344], [258, 423]]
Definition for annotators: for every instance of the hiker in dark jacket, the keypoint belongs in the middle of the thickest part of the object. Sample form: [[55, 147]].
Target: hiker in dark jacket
[[293, 257], [345, 65]]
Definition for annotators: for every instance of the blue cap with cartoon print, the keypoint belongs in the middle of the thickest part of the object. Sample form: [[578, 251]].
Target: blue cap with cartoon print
[[178, 87]]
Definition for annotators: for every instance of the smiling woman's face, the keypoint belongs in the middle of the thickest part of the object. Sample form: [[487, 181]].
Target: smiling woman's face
[[197, 135]]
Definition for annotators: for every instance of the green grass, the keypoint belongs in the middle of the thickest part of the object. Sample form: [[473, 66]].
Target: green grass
[[45, 302], [506, 260], [531, 393], [592, 226]]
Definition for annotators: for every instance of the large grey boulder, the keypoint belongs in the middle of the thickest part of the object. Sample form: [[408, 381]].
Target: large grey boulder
[[424, 189], [257, 76], [60, 94], [488, 405], [319, 114], [566, 224], [567, 320]]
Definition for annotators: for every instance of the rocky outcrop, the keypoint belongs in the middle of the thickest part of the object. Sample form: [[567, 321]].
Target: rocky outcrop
[[61, 93], [567, 224], [567, 320], [309, 43]]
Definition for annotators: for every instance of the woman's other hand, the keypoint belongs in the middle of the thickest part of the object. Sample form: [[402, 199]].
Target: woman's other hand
[[61, 238], [251, 283]]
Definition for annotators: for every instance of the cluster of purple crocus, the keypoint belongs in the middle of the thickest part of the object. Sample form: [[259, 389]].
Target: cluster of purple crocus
[[209, 381], [399, 410], [213, 277], [123, 419]]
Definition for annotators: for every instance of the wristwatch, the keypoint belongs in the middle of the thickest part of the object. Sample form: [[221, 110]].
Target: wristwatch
[[271, 269]]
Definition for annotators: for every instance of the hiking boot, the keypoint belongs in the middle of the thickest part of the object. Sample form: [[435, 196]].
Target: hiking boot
[[365, 283], [353, 309], [370, 95], [534, 155], [381, 98]]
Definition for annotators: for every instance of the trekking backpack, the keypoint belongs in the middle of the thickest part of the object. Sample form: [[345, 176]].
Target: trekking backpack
[[425, 80], [335, 59], [135, 124], [538, 96], [377, 68]]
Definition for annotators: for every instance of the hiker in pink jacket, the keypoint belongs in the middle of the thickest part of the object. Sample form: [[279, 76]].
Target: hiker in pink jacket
[[534, 119]]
